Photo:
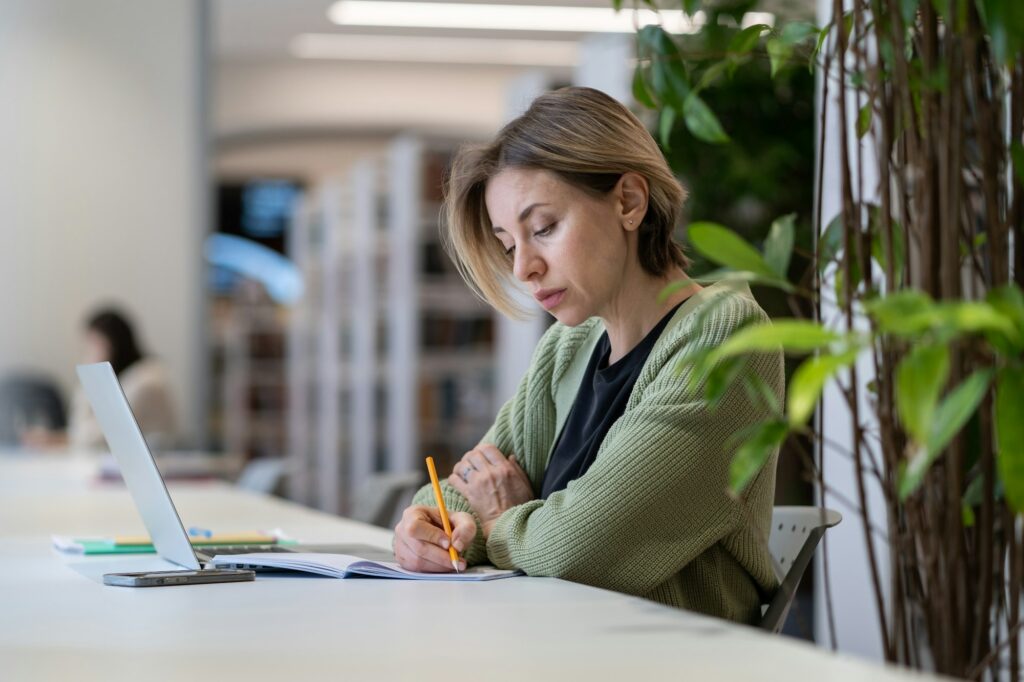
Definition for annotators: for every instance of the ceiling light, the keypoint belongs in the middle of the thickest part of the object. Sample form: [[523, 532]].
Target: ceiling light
[[389, 48], [507, 17]]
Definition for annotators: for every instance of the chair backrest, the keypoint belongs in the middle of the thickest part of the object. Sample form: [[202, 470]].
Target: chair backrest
[[794, 535], [263, 475], [380, 499], [28, 400]]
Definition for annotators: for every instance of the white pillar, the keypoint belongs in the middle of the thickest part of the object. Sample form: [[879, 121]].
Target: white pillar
[[102, 181], [853, 601]]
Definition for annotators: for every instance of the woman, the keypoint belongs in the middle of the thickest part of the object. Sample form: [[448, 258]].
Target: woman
[[109, 338], [606, 467]]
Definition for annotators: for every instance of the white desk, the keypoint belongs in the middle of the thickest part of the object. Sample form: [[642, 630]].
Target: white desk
[[58, 622]]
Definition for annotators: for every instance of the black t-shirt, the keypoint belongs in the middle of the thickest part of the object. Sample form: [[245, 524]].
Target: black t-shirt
[[604, 392]]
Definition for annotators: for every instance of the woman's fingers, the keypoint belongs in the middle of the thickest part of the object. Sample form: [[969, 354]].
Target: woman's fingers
[[463, 530], [478, 461], [491, 453], [422, 556], [420, 542]]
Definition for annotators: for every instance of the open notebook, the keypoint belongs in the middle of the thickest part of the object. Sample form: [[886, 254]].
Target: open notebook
[[345, 566]]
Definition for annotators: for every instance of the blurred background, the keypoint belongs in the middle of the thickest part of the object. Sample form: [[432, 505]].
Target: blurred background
[[255, 185]]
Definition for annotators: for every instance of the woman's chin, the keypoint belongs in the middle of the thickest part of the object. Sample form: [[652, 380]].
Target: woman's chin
[[569, 318]]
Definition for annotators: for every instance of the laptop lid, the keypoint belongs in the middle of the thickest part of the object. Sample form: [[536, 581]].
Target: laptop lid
[[138, 467]]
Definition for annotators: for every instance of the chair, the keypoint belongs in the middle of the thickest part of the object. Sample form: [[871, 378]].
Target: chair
[[795, 533], [381, 498], [263, 475], [28, 400]]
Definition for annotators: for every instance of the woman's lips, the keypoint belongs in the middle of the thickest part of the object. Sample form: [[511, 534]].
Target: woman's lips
[[550, 300]]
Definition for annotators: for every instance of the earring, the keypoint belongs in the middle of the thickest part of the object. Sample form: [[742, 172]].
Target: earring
[[630, 222]]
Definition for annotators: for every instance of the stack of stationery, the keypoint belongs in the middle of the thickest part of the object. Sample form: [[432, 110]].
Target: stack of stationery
[[141, 544]]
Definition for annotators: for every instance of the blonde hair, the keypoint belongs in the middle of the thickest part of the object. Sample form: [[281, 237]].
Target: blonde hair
[[587, 139]]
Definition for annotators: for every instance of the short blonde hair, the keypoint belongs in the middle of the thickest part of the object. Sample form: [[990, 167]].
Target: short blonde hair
[[587, 139]]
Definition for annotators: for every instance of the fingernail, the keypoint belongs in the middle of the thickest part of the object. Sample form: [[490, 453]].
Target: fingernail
[[444, 543], [462, 565], [458, 546]]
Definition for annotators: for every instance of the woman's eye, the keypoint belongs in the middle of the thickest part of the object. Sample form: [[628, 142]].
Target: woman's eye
[[543, 232]]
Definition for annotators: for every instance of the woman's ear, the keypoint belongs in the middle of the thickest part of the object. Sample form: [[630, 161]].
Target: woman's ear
[[632, 192]]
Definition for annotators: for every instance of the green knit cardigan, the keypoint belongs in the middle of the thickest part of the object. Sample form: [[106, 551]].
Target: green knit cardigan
[[651, 517]]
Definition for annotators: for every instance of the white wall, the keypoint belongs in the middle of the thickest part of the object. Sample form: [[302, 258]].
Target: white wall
[[257, 95], [102, 180]]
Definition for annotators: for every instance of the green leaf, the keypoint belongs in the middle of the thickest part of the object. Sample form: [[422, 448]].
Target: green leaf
[[1010, 434], [778, 54], [920, 377], [908, 8], [864, 120], [669, 81], [691, 6], [712, 74], [727, 275], [798, 336], [1017, 154], [822, 36], [747, 39], [1009, 301], [974, 493], [906, 312], [724, 247], [617, 5], [972, 317], [702, 122], [778, 247], [796, 32], [754, 452], [760, 392], [878, 245], [830, 243], [721, 377], [808, 382], [673, 287], [1004, 21], [954, 411], [640, 92], [666, 121]]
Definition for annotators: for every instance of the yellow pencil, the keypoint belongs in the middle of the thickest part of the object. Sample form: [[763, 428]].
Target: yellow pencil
[[444, 512]]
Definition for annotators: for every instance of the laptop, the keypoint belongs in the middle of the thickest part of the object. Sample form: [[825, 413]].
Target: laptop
[[149, 492]]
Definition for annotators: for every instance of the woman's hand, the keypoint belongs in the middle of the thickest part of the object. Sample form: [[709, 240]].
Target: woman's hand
[[491, 483], [421, 544]]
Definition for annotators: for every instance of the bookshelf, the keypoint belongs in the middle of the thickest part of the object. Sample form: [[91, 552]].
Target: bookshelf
[[441, 351], [391, 356], [248, 374]]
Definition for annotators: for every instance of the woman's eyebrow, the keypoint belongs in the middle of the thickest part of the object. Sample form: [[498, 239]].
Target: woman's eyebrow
[[523, 215]]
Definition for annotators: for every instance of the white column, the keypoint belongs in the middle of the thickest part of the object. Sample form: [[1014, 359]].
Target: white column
[[855, 612], [102, 181], [606, 63]]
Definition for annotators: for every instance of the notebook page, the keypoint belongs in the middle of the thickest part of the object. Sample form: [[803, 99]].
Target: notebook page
[[344, 565]]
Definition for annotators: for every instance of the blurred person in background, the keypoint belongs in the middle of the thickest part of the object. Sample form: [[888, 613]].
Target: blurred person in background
[[109, 337]]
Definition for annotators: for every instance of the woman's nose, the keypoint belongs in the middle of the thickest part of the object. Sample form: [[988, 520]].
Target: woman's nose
[[527, 264]]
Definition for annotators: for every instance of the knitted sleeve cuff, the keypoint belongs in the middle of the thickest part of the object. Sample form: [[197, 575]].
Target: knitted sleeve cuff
[[505, 537]]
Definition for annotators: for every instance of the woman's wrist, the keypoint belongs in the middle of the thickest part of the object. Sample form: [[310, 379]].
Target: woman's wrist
[[487, 527]]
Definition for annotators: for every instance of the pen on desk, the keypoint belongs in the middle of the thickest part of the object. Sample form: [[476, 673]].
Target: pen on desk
[[444, 512]]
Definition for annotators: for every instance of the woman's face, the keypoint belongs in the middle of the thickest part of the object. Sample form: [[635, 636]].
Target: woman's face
[[96, 348], [569, 248]]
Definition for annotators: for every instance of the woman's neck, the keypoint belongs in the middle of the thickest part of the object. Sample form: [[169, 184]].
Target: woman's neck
[[636, 310]]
